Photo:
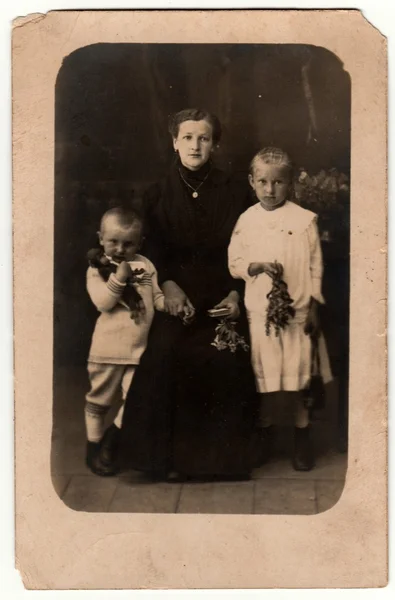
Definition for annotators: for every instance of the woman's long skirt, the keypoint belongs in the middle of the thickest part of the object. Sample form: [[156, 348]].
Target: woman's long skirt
[[191, 408]]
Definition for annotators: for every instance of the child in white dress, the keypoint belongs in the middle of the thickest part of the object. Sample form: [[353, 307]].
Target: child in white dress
[[276, 236]]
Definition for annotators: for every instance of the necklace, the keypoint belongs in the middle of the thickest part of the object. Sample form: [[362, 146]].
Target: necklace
[[194, 190]]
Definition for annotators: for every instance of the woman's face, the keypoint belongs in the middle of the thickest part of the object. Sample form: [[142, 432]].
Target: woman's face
[[194, 143]]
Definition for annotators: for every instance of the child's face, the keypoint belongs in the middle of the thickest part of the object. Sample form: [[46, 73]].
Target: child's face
[[194, 143], [271, 184], [120, 242]]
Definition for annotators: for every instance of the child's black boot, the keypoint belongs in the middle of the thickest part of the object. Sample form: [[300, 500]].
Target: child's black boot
[[109, 447], [303, 454], [94, 463]]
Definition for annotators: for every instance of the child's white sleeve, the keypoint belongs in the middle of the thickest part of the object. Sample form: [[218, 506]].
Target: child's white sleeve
[[237, 252], [316, 264], [157, 294], [104, 295]]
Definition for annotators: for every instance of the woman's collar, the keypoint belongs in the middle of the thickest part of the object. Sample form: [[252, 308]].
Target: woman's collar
[[208, 170], [198, 175]]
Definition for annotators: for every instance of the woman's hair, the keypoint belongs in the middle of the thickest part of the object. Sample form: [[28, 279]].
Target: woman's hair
[[125, 216], [195, 114], [273, 156]]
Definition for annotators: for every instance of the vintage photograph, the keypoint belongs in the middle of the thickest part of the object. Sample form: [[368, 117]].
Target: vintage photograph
[[199, 246], [201, 278]]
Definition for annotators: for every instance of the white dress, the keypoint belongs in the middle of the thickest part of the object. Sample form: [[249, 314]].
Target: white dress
[[288, 235]]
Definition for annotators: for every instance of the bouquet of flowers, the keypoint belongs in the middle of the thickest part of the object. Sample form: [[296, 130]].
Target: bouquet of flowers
[[227, 337], [279, 309]]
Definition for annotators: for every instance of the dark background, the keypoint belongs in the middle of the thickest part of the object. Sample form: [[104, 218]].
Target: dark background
[[111, 140]]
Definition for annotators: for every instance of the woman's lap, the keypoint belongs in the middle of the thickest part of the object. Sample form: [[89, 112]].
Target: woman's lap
[[190, 406]]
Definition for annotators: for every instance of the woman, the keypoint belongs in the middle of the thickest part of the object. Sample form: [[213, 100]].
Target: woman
[[191, 408]]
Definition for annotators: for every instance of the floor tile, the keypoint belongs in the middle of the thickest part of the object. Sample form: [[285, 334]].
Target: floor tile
[[284, 497], [59, 483], [131, 476], [90, 493], [222, 498], [145, 497], [328, 493], [331, 466]]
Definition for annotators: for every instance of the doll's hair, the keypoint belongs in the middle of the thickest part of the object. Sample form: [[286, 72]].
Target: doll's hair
[[273, 156], [125, 216], [195, 114]]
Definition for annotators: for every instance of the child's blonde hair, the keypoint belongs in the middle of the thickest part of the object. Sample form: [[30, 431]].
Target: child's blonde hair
[[125, 216], [273, 156]]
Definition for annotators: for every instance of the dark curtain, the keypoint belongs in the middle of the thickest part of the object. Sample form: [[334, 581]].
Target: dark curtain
[[111, 138]]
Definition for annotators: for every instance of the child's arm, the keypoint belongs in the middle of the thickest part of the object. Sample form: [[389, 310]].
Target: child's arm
[[272, 269], [316, 264], [312, 326], [157, 294], [104, 295], [237, 260]]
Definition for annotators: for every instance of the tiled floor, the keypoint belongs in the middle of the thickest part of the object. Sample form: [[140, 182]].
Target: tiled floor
[[274, 489], [280, 490]]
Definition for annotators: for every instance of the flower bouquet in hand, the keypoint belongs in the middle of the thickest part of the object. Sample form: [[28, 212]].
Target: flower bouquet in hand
[[130, 297], [227, 338], [280, 308], [226, 335]]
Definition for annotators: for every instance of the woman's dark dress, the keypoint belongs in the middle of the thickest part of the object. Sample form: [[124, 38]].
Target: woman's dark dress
[[191, 408]]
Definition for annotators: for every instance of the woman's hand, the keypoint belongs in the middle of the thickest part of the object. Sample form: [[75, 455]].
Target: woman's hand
[[189, 311], [272, 269], [123, 272], [231, 302], [176, 301], [312, 325]]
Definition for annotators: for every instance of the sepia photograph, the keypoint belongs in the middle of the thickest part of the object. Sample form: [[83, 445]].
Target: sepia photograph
[[201, 278], [200, 342]]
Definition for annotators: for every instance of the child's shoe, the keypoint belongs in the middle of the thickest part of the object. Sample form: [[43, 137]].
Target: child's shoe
[[94, 463], [109, 447], [303, 456]]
